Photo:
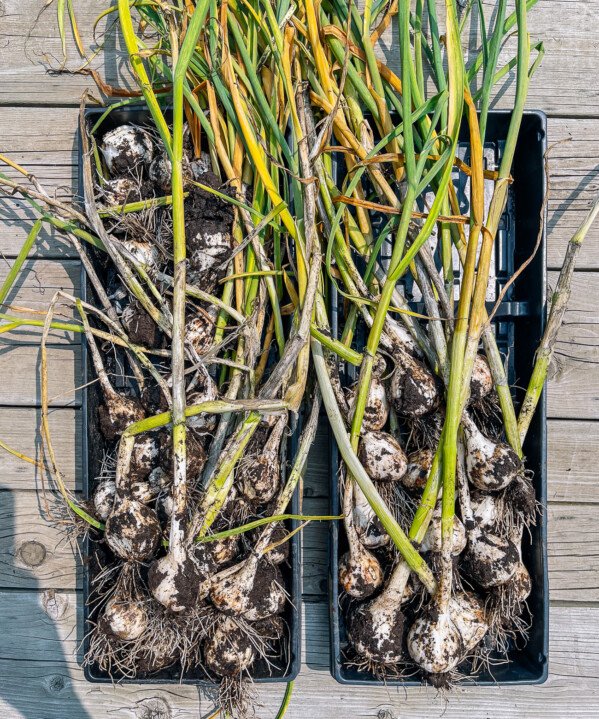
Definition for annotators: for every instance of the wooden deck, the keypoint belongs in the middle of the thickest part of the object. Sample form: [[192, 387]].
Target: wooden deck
[[40, 603]]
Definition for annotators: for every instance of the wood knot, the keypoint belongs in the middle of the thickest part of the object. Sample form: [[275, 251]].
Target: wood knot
[[32, 553], [55, 605], [55, 684], [153, 708], [385, 714]]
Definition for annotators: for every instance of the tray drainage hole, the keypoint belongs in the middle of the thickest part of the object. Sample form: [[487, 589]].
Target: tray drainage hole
[[32, 553]]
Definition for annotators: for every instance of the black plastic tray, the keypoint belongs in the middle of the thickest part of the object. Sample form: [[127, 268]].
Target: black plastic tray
[[519, 324], [91, 460]]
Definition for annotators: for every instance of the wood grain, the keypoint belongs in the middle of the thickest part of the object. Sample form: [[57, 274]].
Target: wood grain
[[33, 46], [34, 553], [20, 384], [34, 289], [19, 429], [41, 676]]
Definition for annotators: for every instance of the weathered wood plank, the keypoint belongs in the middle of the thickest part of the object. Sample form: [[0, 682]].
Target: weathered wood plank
[[20, 430], [34, 553], [34, 288], [21, 374], [574, 374], [564, 78], [41, 676]]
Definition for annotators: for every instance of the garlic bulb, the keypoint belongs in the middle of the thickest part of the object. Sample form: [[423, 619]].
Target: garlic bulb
[[127, 148], [174, 580], [103, 498], [125, 619], [382, 456], [432, 541], [417, 471], [481, 381], [253, 590], [490, 466], [468, 614], [413, 388], [489, 560], [376, 629], [434, 640], [258, 478], [376, 411], [120, 191], [132, 530], [117, 413], [229, 651]]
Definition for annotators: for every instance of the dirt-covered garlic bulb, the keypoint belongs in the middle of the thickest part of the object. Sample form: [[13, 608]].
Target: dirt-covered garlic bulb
[[376, 411], [146, 452], [199, 330], [253, 590], [377, 628], [144, 254], [490, 466], [432, 541], [360, 573], [117, 413], [119, 191], [481, 381], [126, 149], [103, 498], [418, 469], [258, 477], [467, 611], [487, 509], [229, 651], [434, 641], [382, 456], [132, 530], [126, 619], [175, 580], [413, 388]]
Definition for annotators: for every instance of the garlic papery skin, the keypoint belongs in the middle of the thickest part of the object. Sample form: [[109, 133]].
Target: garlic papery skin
[[382, 456], [418, 469], [490, 466], [432, 539], [468, 614], [481, 381], [376, 630]]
